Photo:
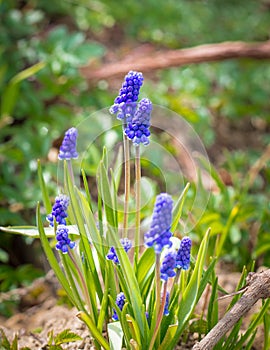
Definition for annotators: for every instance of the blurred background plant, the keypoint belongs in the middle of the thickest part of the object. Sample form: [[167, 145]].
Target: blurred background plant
[[44, 44]]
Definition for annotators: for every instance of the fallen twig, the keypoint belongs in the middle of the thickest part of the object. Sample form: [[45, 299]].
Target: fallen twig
[[176, 58], [258, 287]]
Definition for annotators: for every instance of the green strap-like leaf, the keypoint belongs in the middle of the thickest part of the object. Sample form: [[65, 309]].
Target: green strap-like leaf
[[189, 297], [45, 195], [52, 259], [93, 329], [177, 210]]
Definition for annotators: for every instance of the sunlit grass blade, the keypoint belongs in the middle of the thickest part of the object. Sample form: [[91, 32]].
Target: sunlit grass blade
[[52, 259], [177, 210], [118, 168], [96, 238], [134, 329], [224, 234], [212, 313], [86, 248], [86, 188], [93, 329], [189, 297], [70, 272], [145, 267], [104, 303], [168, 337], [106, 195], [45, 194], [254, 324], [206, 277], [133, 288]]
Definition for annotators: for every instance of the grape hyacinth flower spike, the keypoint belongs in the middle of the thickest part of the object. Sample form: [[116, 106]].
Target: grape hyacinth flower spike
[[59, 210], [64, 241], [159, 234], [166, 308], [183, 254], [126, 244], [168, 265], [138, 130], [68, 148], [125, 103], [120, 302]]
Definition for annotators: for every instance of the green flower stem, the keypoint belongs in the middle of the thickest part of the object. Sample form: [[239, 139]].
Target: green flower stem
[[127, 183], [160, 315], [138, 202], [84, 287], [176, 279], [70, 169], [158, 289]]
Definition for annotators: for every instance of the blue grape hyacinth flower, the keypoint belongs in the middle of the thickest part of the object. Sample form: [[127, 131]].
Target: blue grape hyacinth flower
[[64, 241], [168, 265], [59, 210], [125, 103], [166, 308], [183, 254], [126, 244], [68, 148], [159, 234], [120, 302], [138, 130]]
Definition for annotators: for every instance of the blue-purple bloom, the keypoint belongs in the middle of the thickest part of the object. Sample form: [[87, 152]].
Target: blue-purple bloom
[[138, 129], [168, 265], [126, 244], [183, 254], [64, 241], [59, 210], [120, 302], [125, 103], [69, 144], [166, 308], [159, 234]]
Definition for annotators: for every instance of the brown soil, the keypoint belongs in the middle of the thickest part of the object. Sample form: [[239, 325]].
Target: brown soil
[[39, 315]]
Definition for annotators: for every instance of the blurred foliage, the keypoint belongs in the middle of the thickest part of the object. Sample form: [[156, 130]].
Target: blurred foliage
[[43, 44], [40, 87]]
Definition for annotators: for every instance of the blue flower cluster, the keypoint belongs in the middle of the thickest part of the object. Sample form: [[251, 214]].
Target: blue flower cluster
[[59, 214], [125, 103], [59, 210], [138, 130], [166, 308], [120, 302], [63, 241], [159, 234], [168, 265], [183, 254], [69, 144], [126, 244]]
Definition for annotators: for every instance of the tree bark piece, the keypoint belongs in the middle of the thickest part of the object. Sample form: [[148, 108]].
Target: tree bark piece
[[176, 58], [258, 287]]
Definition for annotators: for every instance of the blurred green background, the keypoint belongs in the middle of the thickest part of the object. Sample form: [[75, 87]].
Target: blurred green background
[[43, 45]]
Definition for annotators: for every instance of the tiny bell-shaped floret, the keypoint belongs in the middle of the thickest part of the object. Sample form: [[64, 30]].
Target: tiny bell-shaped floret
[[69, 144], [168, 265], [64, 241], [183, 254], [125, 103], [138, 130], [120, 302], [166, 308], [126, 244], [59, 210], [159, 234]]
